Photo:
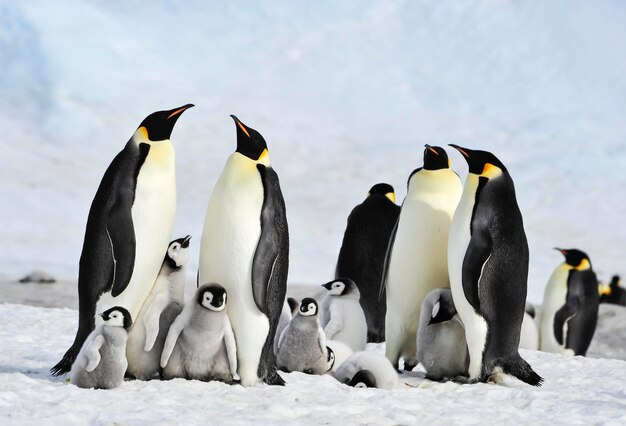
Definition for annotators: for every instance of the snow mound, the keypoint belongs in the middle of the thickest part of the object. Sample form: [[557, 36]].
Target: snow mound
[[581, 390]]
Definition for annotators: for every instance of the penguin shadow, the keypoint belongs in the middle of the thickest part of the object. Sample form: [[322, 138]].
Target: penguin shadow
[[42, 373]]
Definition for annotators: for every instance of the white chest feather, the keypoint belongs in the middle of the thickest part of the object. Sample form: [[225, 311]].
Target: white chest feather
[[554, 298]]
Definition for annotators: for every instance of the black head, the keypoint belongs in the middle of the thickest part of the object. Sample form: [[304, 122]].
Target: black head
[[177, 252], [444, 308], [435, 158], [340, 286], [159, 125], [249, 142], [363, 379], [575, 258], [330, 358], [615, 281], [211, 296], [530, 310], [119, 316], [383, 189], [293, 305], [308, 307], [479, 162]]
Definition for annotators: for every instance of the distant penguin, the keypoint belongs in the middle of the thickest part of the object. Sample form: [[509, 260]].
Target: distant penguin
[[362, 254], [487, 249], [367, 369], [341, 351], [529, 335], [129, 227], [148, 333], [245, 247], [614, 292], [416, 260], [283, 321], [441, 345], [200, 343], [570, 306], [302, 345], [101, 362], [341, 315]]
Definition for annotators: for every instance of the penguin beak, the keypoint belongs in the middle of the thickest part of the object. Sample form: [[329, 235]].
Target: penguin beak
[[328, 285], [177, 111], [563, 252], [463, 151], [102, 316], [185, 242], [240, 125], [431, 149]]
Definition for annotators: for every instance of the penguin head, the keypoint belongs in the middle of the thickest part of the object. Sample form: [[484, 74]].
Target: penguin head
[[178, 253], [383, 189], [481, 163], [363, 379], [117, 317], [575, 258], [308, 307], [615, 281], [443, 309], [158, 126], [293, 305], [211, 296], [330, 358], [340, 287], [435, 158], [250, 143]]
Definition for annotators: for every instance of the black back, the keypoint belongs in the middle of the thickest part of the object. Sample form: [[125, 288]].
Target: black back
[[270, 266], [582, 292], [362, 256]]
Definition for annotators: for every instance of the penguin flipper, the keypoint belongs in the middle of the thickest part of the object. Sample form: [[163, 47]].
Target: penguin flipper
[[476, 256], [562, 315], [392, 239], [121, 234]]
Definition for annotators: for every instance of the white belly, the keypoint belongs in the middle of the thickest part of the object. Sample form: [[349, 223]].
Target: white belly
[[475, 325], [554, 298], [231, 233], [529, 336], [153, 213], [418, 262]]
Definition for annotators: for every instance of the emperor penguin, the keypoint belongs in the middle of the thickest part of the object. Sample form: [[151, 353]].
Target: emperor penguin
[[570, 306], [342, 316], [245, 247], [367, 369], [129, 227], [148, 333], [101, 362], [200, 343], [614, 292], [416, 261], [529, 335], [302, 345], [363, 250], [488, 263], [441, 345]]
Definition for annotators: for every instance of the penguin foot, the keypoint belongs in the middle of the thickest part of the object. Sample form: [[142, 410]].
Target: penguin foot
[[63, 366], [409, 365], [462, 380]]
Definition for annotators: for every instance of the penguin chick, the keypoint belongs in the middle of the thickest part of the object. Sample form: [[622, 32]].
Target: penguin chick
[[441, 345], [302, 344], [283, 321], [367, 369], [342, 316], [147, 335], [200, 343], [341, 352], [101, 362]]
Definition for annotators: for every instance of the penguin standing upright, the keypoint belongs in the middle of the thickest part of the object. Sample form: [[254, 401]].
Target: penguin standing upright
[[570, 306], [148, 333], [488, 263], [129, 227], [614, 292], [341, 315], [245, 247], [362, 254], [417, 257]]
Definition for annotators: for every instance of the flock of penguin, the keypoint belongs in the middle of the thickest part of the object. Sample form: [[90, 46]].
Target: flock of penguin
[[441, 279]]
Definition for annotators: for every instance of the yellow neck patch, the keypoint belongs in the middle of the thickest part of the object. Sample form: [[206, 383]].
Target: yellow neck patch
[[391, 196], [604, 290], [143, 132], [490, 171], [584, 264]]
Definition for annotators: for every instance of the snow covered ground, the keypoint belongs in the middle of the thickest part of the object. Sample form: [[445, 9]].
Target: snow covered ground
[[577, 390], [346, 95]]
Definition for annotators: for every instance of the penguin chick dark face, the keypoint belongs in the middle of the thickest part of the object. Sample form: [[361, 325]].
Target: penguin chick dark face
[[482, 163], [435, 158], [383, 189], [117, 317], [340, 286], [330, 358], [212, 297], [575, 258], [308, 307], [249, 142], [158, 126], [363, 379], [443, 310], [178, 252]]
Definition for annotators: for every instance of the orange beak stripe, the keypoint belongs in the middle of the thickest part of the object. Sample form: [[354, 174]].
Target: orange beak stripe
[[178, 111], [243, 128], [433, 150]]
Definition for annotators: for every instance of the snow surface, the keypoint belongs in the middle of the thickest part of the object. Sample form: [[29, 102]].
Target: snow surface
[[577, 390], [345, 93]]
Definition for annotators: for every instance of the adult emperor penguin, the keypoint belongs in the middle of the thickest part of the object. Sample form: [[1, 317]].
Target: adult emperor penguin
[[570, 306], [614, 292], [362, 254], [148, 333], [129, 227], [417, 256], [488, 261], [245, 247], [101, 362]]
